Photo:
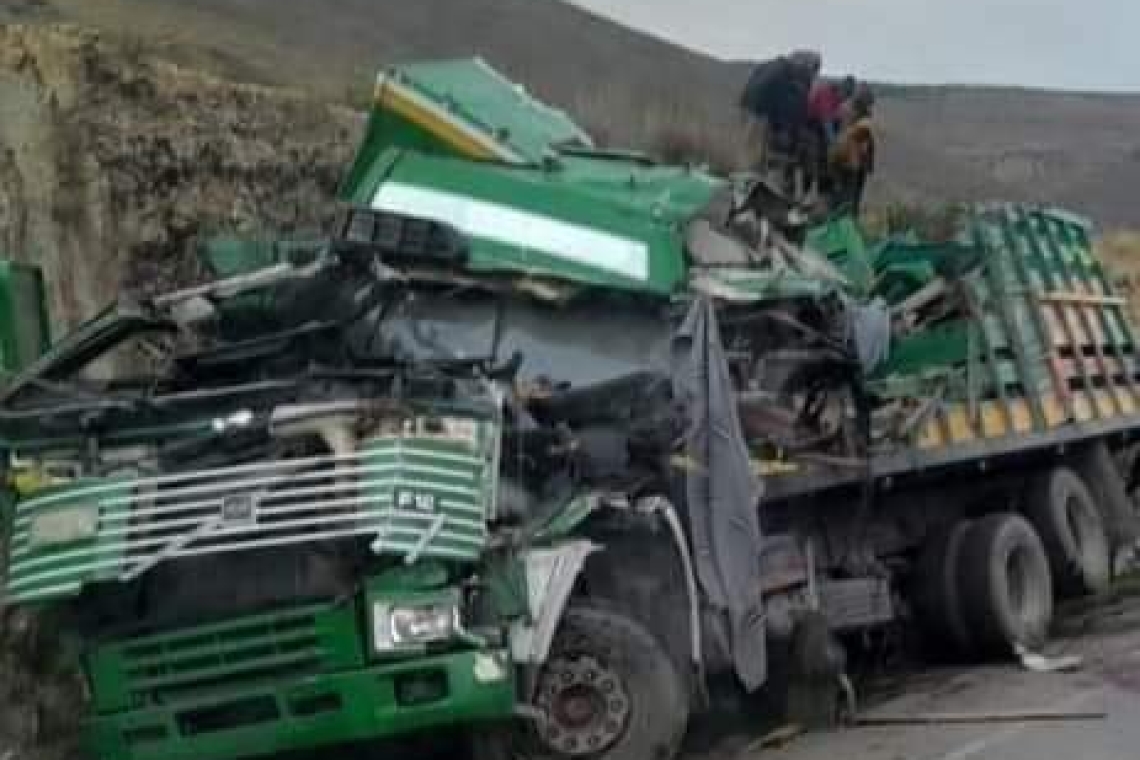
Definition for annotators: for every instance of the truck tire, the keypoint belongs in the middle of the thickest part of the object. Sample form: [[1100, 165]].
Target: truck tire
[[1005, 584], [935, 595], [817, 661], [1065, 516], [610, 692]]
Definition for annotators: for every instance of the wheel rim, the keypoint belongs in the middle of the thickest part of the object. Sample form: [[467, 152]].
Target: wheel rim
[[586, 706], [1076, 521], [1017, 573], [1091, 543], [1083, 526], [1027, 597]]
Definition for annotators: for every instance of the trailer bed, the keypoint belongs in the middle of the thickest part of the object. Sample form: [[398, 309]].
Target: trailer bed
[[1043, 356]]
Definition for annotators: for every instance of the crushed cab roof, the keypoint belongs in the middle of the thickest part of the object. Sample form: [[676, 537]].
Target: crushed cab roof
[[466, 109]]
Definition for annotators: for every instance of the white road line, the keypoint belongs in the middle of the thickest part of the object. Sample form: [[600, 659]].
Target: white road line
[[977, 746]]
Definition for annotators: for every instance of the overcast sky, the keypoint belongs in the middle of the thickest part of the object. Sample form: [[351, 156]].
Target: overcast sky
[[1081, 44]]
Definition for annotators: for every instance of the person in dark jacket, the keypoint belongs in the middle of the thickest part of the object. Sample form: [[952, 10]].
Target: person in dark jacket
[[858, 106], [775, 100]]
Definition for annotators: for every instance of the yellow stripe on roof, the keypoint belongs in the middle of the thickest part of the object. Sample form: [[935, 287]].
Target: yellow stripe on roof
[[426, 115]]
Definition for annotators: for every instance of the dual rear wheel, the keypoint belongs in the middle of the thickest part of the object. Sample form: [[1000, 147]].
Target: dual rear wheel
[[1072, 529], [1006, 584], [988, 585]]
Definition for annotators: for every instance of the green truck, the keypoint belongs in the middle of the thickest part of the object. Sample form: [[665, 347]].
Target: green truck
[[547, 445]]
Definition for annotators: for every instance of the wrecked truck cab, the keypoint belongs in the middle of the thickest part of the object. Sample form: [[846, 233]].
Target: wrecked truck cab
[[350, 484], [396, 474], [498, 453], [401, 474], [263, 560]]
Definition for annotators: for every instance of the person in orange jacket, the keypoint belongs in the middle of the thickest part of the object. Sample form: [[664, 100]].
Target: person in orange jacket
[[852, 156]]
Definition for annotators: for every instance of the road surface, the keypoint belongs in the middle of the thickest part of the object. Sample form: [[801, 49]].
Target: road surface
[[1108, 640]]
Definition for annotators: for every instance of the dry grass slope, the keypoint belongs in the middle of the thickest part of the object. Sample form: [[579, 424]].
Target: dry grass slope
[[1120, 250], [113, 163], [951, 143]]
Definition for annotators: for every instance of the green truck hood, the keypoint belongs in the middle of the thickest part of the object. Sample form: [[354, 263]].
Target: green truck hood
[[592, 219], [457, 142]]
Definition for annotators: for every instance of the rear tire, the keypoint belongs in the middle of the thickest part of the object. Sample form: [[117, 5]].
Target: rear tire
[[1065, 516], [641, 715], [1005, 585], [936, 597], [818, 661]]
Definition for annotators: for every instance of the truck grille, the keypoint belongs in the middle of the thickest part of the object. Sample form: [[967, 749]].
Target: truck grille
[[165, 668], [420, 498]]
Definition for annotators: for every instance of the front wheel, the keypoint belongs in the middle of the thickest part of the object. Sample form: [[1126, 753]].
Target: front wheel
[[609, 691]]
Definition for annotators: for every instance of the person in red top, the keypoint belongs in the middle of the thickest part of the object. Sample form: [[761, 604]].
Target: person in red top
[[825, 101], [824, 107]]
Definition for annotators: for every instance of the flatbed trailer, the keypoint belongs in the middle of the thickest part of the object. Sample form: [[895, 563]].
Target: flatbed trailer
[[978, 457], [1035, 417], [1051, 351]]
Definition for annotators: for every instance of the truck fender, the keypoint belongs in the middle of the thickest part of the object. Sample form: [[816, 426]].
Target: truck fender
[[551, 573], [665, 510]]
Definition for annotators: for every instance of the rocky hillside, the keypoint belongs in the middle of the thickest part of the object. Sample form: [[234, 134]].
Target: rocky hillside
[[112, 163], [40, 692]]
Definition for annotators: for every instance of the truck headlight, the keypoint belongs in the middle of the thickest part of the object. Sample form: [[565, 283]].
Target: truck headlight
[[64, 526], [397, 627]]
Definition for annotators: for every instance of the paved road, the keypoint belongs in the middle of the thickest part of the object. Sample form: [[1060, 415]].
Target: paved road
[[1108, 640]]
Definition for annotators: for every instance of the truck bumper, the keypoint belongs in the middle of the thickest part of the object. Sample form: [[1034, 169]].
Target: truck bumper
[[380, 702]]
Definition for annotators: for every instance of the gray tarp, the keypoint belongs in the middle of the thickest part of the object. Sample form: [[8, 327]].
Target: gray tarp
[[869, 329], [722, 491]]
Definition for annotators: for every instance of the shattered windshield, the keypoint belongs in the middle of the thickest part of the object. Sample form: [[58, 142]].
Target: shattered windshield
[[575, 344], [586, 343], [328, 322], [423, 327]]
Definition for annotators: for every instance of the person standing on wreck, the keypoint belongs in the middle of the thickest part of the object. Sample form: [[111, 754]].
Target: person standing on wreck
[[775, 104], [852, 157], [825, 104]]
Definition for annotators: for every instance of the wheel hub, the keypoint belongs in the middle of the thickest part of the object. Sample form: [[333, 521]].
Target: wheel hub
[[585, 704]]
